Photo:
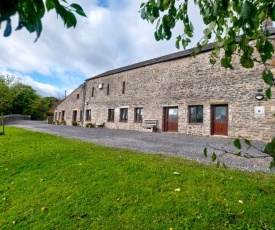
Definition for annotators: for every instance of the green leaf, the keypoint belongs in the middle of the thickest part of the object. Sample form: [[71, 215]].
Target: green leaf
[[205, 152], [7, 31], [247, 62], [247, 142], [142, 5], [213, 61], [214, 156], [178, 42], [238, 154], [270, 148], [226, 63], [81, 13], [49, 5], [272, 164], [268, 77], [78, 9], [71, 20], [76, 6], [268, 93], [237, 143]]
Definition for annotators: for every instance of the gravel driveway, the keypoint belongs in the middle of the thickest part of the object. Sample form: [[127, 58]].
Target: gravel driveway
[[190, 147]]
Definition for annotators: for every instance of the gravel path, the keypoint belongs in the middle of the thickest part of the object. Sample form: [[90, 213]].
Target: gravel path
[[190, 147]]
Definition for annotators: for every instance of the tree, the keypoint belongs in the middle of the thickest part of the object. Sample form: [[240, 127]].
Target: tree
[[234, 24], [30, 14], [6, 94], [17, 98]]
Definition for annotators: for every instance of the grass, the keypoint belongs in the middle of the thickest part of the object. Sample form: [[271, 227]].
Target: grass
[[49, 182]]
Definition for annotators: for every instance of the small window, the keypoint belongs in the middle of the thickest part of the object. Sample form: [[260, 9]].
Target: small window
[[138, 114], [108, 88], [124, 115], [123, 87], [77, 96], [195, 114], [93, 91], [111, 114], [88, 115]]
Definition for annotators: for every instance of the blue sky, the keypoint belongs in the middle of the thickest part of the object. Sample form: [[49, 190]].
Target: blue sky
[[113, 35]]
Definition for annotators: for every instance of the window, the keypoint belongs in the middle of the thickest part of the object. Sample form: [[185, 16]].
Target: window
[[138, 114], [111, 114], [88, 115], [123, 87], [108, 88], [93, 91], [124, 115], [77, 96], [195, 114]]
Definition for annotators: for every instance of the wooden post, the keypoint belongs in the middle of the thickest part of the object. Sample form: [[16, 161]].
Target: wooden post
[[3, 125]]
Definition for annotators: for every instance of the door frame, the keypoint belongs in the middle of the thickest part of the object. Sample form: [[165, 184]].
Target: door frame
[[165, 118], [212, 118]]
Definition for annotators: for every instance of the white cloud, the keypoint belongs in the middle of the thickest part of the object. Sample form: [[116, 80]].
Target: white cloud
[[109, 38]]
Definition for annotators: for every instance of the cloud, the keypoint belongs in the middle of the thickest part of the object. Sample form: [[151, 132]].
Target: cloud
[[113, 35]]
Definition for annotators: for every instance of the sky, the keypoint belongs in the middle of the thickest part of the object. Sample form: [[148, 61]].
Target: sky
[[112, 36]]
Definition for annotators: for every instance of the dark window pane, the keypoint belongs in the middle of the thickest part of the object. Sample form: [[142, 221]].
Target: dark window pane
[[196, 114]]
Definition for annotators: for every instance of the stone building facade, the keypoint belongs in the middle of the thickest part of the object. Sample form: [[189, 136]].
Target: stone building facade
[[176, 93]]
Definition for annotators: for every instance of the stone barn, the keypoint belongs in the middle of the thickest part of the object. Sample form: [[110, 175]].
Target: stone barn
[[176, 93]]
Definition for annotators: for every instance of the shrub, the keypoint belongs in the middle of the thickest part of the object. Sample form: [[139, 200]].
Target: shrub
[[74, 123]]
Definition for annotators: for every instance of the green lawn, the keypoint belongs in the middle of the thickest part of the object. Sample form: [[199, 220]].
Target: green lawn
[[49, 182]]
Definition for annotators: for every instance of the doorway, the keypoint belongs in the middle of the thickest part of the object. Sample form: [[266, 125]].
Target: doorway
[[170, 119], [219, 120], [74, 115]]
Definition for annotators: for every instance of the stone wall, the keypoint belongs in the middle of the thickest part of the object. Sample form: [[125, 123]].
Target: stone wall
[[181, 82], [73, 102]]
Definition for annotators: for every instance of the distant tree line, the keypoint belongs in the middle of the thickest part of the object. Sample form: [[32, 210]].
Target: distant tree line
[[17, 98]]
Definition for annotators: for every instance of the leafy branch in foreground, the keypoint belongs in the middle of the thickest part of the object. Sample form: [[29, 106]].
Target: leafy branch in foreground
[[267, 152], [30, 14], [229, 21]]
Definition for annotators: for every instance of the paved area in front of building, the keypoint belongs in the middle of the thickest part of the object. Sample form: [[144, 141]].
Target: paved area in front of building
[[190, 147]]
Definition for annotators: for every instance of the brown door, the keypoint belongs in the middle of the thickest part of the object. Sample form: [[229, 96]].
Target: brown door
[[219, 118], [170, 119]]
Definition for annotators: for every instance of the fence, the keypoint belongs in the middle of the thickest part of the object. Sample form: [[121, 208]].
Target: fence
[[15, 117]]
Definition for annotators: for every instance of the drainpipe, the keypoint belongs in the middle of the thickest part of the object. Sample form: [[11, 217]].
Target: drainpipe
[[83, 103]]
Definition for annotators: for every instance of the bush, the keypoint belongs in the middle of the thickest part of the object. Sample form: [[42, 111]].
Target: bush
[[74, 123]]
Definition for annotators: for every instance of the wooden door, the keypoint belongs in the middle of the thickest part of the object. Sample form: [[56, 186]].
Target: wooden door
[[219, 120], [170, 119]]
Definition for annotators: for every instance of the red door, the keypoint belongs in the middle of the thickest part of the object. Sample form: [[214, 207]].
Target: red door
[[170, 119], [219, 120]]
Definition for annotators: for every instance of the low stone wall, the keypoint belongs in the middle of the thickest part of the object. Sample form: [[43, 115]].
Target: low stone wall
[[14, 117]]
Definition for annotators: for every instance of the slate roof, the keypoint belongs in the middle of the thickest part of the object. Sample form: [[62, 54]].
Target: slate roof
[[169, 57]]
